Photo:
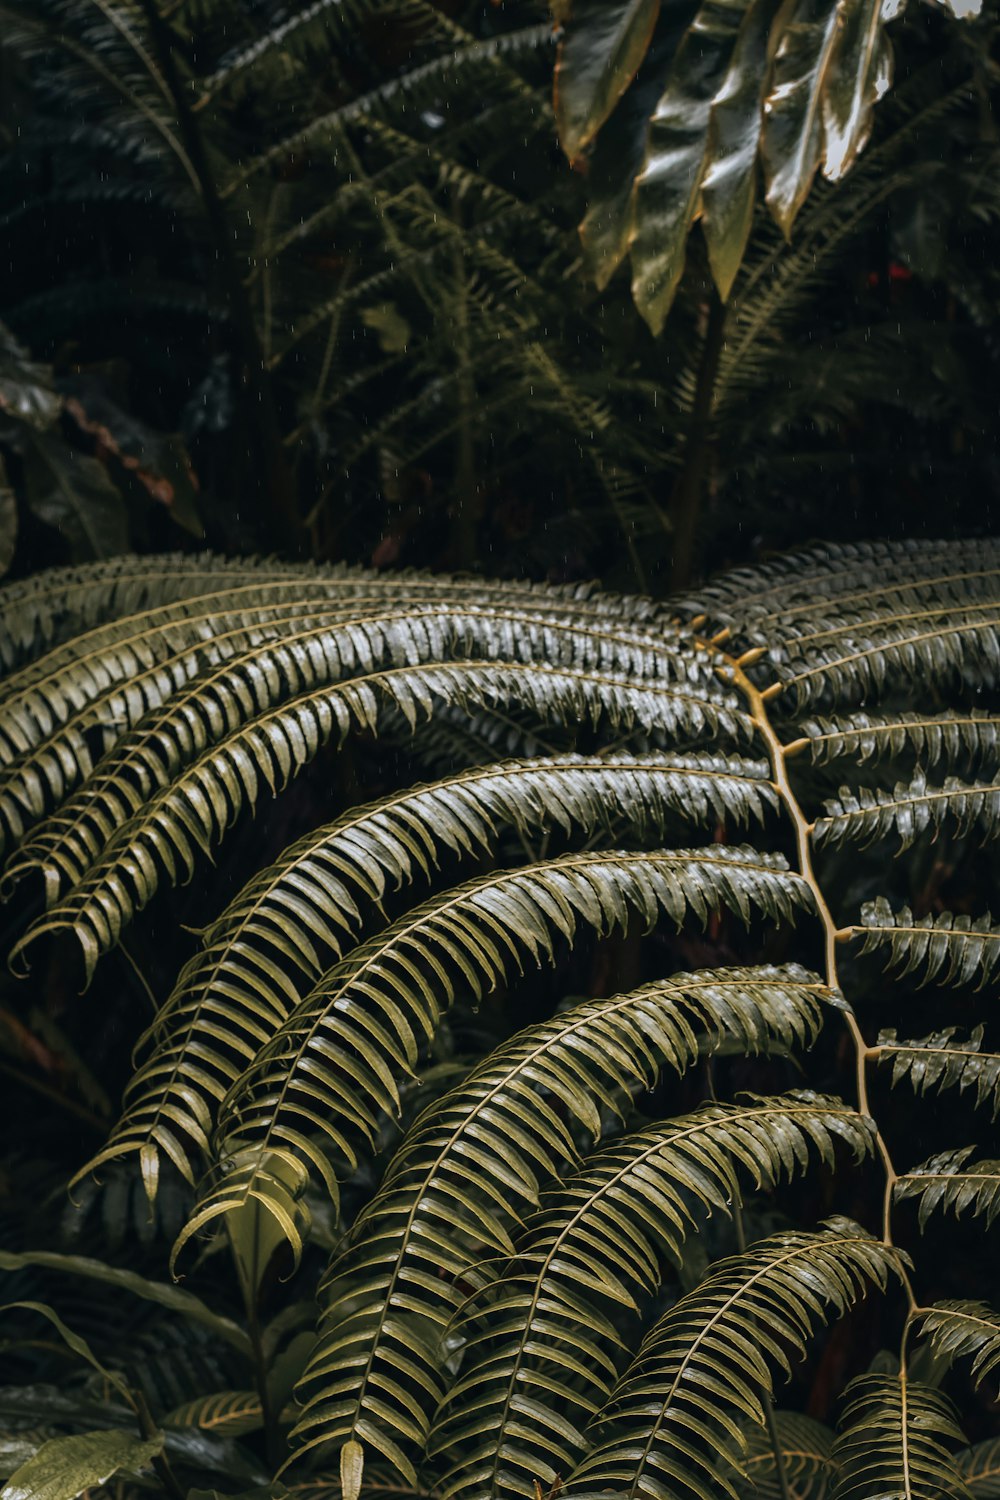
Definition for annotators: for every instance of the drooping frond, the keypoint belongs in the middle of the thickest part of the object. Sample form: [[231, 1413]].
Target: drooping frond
[[129, 630], [949, 1181], [933, 738], [366, 1018], [296, 918], [841, 623], [911, 811], [707, 1365], [412, 1257], [160, 817], [605, 1238], [799, 1464], [964, 1330], [893, 1442], [945, 948], [311, 898], [939, 1062], [305, 644]]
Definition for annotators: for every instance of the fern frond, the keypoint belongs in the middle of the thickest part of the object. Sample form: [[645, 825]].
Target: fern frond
[[950, 1182], [871, 737], [418, 1244], [979, 1467], [317, 887], [707, 1364], [367, 1014], [947, 949], [892, 1442], [321, 622], [228, 1413], [910, 811], [296, 917], [939, 1062], [762, 602], [97, 607], [279, 660], [125, 834], [802, 1460], [944, 644], [963, 1330], [606, 1237]]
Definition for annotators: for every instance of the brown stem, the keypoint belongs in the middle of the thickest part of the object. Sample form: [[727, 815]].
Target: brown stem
[[160, 1461], [464, 526], [757, 699], [685, 503], [263, 428]]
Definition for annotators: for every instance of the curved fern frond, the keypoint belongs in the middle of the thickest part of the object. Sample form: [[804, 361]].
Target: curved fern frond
[[298, 916], [706, 1366], [979, 1467], [963, 1330], [763, 601], [138, 621], [411, 1258], [606, 1237], [310, 900], [943, 645], [911, 811], [871, 737], [948, 1181], [484, 55], [939, 1062], [227, 1413], [322, 643], [161, 831], [799, 1465], [364, 1020], [892, 1442], [947, 949]]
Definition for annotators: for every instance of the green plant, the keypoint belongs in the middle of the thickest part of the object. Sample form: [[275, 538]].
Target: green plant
[[571, 1246], [682, 109], [351, 226]]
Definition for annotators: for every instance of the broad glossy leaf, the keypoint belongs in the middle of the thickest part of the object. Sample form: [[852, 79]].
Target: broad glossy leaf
[[66, 1466], [861, 75], [729, 190], [620, 150], [604, 43], [668, 190], [793, 130], [72, 493]]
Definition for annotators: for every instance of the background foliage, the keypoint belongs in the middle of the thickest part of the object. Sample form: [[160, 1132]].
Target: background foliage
[[316, 266], [304, 276]]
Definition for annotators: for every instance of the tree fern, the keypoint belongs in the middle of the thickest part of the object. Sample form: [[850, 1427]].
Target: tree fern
[[564, 1244]]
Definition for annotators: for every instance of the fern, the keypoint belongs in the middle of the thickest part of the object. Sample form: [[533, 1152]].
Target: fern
[[940, 1062], [564, 1246], [894, 1440]]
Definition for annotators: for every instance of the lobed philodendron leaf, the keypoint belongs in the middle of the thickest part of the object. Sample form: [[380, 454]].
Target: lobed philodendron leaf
[[793, 136], [668, 190], [65, 1467], [729, 190], [598, 59], [676, 106], [862, 75]]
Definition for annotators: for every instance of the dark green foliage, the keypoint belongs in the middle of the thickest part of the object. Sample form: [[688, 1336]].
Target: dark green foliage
[[571, 1242]]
